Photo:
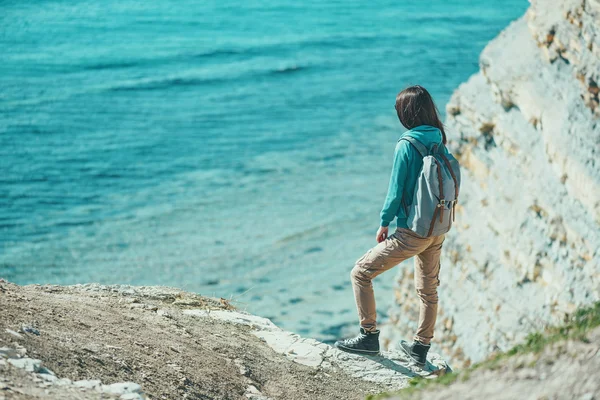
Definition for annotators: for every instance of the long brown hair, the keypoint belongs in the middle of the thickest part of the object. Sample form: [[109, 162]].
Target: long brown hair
[[415, 107]]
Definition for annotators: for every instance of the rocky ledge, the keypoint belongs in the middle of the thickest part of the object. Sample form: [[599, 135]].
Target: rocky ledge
[[93, 341]]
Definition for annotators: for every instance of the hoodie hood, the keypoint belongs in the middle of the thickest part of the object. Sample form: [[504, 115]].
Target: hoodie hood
[[426, 134]]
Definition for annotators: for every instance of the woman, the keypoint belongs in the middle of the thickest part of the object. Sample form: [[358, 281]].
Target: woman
[[417, 113]]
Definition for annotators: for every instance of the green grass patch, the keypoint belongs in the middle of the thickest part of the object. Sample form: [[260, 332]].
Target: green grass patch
[[417, 384], [576, 326]]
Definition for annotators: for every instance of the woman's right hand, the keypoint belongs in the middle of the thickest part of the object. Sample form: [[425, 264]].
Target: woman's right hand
[[382, 234]]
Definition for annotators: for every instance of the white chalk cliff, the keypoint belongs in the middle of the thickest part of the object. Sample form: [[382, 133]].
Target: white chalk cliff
[[526, 129]]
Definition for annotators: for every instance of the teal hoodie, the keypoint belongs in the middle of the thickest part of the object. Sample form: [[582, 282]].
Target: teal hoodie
[[405, 172]]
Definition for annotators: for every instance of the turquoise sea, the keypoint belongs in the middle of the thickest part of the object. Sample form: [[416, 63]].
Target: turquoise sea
[[239, 149]]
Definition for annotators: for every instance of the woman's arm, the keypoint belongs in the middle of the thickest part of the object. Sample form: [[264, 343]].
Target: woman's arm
[[396, 186]]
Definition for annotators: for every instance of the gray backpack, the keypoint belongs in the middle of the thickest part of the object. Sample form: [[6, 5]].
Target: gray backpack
[[433, 206]]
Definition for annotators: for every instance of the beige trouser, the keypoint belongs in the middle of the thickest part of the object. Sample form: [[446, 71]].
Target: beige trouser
[[400, 246]]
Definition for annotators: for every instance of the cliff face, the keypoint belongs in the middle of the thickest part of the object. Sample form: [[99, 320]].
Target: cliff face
[[526, 128]]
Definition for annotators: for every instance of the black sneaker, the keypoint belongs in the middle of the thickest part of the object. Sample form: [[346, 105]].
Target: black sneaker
[[417, 352], [366, 342]]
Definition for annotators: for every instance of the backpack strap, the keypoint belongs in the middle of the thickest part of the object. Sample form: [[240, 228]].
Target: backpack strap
[[417, 145], [453, 209], [445, 159]]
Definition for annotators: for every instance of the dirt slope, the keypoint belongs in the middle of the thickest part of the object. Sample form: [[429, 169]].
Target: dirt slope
[[117, 334]]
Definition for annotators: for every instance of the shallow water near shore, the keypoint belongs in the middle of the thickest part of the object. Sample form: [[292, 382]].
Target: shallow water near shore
[[237, 149]]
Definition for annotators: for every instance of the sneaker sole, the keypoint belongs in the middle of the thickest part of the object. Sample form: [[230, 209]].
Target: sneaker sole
[[350, 350]]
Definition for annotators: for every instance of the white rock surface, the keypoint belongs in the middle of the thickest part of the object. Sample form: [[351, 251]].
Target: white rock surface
[[252, 393], [390, 368], [28, 364], [49, 378], [526, 247], [122, 390], [234, 317]]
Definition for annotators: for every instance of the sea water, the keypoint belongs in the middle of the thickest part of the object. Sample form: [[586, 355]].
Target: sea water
[[238, 149]]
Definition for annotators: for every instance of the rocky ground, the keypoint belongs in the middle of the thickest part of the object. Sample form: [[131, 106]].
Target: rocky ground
[[93, 341]]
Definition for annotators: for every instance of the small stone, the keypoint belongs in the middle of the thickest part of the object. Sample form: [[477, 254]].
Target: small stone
[[252, 389], [22, 351], [240, 364], [30, 329], [164, 313], [252, 393]]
